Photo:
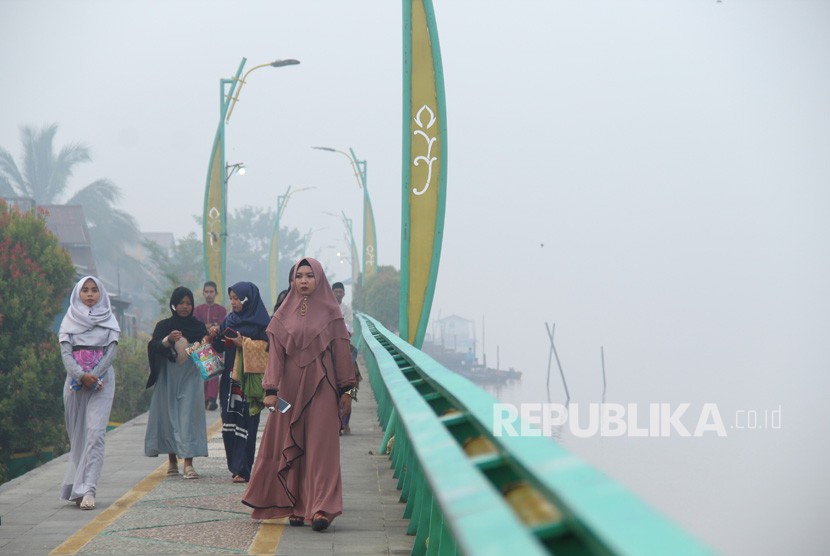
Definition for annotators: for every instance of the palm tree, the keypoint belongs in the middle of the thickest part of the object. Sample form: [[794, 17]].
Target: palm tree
[[44, 176]]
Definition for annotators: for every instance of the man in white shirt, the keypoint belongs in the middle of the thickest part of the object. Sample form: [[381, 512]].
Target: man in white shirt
[[340, 292]]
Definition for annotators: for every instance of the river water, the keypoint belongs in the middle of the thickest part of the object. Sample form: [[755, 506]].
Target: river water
[[753, 487]]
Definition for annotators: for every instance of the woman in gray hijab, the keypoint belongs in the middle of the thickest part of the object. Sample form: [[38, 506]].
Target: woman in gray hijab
[[88, 340]]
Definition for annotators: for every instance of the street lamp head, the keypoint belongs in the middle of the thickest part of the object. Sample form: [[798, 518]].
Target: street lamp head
[[356, 164], [288, 62], [231, 169]]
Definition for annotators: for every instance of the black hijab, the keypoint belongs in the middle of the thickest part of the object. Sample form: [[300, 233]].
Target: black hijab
[[191, 328]]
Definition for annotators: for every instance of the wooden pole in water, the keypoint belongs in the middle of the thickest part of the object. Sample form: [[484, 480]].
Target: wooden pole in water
[[550, 356], [555, 354], [602, 358]]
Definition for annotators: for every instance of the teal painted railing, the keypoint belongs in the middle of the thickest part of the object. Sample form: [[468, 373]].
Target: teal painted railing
[[469, 492]]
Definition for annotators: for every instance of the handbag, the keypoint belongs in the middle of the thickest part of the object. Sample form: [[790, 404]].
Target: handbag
[[206, 359], [254, 356], [87, 358]]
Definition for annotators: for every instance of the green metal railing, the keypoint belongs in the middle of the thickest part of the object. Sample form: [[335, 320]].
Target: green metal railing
[[470, 492]]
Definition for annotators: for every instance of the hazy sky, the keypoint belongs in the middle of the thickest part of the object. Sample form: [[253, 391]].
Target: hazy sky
[[651, 176]]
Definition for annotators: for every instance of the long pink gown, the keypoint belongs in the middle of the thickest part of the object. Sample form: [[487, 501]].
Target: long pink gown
[[297, 468]]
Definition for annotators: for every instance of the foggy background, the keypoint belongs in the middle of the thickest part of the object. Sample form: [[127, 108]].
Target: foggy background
[[650, 176]]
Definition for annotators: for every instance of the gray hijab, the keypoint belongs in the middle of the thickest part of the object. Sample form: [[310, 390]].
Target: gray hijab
[[89, 326]]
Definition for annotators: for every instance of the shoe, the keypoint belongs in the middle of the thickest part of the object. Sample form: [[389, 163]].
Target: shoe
[[212, 405], [190, 473], [320, 522], [296, 521], [88, 503], [172, 469]]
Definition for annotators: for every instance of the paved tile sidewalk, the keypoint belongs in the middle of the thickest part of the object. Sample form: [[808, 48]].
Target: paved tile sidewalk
[[171, 515]]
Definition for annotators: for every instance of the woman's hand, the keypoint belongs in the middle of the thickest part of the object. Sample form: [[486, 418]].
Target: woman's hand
[[213, 330], [237, 340], [269, 401], [345, 404], [89, 381], [174, 337]]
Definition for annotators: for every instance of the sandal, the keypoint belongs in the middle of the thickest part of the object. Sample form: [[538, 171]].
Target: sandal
[[296, 521], [320, 522], [239, 479], [172, 469], [190, 473], [88, 503]]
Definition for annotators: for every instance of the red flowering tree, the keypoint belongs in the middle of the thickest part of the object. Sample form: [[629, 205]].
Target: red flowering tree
[[36, 275]]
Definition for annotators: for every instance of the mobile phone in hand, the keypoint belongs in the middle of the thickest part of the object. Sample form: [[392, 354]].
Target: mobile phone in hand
[[231, 333], [282, 406]]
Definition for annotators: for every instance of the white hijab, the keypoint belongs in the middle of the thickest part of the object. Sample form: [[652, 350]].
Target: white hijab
[[89, 326]]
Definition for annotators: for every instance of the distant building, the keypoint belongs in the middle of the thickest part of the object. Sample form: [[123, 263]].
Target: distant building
[[68, 223], [457, 334], [23, 204]]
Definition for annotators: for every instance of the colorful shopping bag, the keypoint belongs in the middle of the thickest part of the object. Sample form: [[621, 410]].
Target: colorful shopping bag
[[206, 359]]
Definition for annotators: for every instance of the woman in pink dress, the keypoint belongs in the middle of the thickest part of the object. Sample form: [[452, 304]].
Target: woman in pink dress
[[297, 469]]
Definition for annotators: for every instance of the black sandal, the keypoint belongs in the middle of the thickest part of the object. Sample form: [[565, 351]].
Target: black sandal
[[320, 522], [296, 521]]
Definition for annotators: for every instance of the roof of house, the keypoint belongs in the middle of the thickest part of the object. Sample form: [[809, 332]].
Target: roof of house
[[69, 224]]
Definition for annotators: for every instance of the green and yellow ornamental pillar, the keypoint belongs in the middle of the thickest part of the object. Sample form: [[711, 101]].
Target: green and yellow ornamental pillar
[[424, 168]]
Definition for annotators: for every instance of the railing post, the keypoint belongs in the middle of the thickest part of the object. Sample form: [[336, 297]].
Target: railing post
[[389, 432]]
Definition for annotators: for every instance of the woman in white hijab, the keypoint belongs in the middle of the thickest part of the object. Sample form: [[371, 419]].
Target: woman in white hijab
[[88, 340]]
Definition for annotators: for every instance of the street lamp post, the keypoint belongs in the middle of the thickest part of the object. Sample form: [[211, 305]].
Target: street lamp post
[[273, 255], [307, 239], [347, 224], [230, 170], [274, 64], [370, 245], [214, 219]]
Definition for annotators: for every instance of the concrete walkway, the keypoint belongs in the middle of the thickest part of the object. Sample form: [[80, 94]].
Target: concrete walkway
[[142, 511]]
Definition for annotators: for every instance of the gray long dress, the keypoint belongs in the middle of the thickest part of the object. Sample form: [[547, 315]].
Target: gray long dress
[[176, 422], [87, 413]]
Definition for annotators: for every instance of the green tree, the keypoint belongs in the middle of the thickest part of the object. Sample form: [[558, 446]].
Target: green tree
[[249, 242], [36, 275], [292, 246], [379, 296], [181, 266], [132, 369], [44, 176], [250, 230]]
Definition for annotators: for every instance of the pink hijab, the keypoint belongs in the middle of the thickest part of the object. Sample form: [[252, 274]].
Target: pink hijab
[[305, 337]]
